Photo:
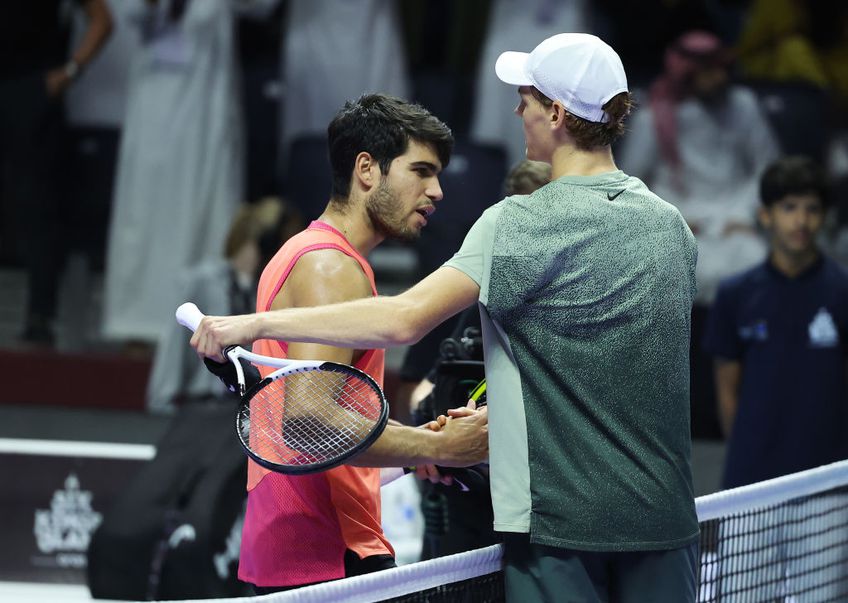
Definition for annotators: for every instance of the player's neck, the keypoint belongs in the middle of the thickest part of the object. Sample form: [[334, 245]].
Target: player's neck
[[792, 264], [353, 224], [568, 160]]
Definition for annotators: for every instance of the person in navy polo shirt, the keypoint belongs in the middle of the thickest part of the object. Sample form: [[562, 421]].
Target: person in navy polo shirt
[[778, 335]]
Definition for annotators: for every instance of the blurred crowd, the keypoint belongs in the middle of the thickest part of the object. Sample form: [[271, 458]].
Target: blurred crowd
[[174, 144]]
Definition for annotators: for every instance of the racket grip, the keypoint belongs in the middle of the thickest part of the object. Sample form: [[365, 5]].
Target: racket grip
[[226, 372], [466, 478], [189, 316]]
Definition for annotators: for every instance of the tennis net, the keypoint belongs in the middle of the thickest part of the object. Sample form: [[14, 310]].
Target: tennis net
[[783, 540]]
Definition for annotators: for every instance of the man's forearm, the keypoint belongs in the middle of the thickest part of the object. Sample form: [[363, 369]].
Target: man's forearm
[[727, 413], [377, 321], [728, 375], [367, 323], [97, 32], [373, 322], [461, 442], [399, 446]]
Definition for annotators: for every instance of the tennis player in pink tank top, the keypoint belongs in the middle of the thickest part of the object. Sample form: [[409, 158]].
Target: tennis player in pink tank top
[[386, 155]]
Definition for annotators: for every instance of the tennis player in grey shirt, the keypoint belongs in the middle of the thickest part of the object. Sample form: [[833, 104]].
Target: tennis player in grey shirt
[[585, 289]]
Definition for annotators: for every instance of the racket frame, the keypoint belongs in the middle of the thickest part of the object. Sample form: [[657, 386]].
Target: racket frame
[[302, 366]]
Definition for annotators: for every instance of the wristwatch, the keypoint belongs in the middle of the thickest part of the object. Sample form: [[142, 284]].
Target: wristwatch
[[71, 69]]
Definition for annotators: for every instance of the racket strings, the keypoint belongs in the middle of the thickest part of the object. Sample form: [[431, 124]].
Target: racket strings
[[311, 417]]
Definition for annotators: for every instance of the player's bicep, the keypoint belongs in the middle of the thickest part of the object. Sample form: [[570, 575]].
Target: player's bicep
[[320, 278], [323, 277], [315, 351]]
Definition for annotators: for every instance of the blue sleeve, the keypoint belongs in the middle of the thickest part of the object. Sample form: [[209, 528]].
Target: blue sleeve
[[721, 337]]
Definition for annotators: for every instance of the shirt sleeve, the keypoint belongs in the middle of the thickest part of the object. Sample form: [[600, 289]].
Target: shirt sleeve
[[722, 336], [474, 257]]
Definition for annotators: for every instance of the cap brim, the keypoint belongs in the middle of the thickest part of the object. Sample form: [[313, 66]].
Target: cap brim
[[510, 68]]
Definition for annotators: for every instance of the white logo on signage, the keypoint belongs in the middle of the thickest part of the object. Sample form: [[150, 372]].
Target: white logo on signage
[[185, 532], [67, 526], [822, 330]]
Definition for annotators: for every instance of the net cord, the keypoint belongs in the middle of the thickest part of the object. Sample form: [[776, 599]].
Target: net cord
[[771, 492]]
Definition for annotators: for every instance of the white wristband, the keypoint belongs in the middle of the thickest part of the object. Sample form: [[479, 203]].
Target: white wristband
[[71, 69]]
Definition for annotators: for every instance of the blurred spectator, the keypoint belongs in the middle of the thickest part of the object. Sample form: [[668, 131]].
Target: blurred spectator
[[99, 96], [778, 333], [789, 40], [35, 72], [333, 52], [180, 169], [220, 286], [95, 110], [513, 25]]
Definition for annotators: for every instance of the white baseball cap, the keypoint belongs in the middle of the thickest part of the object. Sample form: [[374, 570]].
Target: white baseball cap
[[579, 70]]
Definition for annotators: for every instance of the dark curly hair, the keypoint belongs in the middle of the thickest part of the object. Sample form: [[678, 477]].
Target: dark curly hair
[[381, 125]]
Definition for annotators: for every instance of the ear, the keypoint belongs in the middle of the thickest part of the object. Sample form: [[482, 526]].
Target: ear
[[366, 171], [557, 116]]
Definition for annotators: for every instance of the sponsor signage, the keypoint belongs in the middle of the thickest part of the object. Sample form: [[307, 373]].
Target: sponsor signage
[[54, 496]]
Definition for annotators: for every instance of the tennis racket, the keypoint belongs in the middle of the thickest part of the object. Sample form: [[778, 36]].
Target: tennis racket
[[306, 416]]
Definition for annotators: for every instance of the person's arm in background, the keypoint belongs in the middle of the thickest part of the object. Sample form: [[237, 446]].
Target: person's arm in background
[[97, 31], [722, 341], [728, 375]]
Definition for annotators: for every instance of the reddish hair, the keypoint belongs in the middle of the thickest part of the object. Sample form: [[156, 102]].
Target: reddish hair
[[589, 134]]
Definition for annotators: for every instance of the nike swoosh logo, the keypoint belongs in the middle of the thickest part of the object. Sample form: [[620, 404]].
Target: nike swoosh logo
[[612, 197]]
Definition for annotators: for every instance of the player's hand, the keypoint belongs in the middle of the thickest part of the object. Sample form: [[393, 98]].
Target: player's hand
[[463, 411], [56, 82], [465, 437], [216, 333], [431, 472]]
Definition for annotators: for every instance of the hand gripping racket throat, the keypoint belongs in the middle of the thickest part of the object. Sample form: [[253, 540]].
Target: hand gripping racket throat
[[306, 416]]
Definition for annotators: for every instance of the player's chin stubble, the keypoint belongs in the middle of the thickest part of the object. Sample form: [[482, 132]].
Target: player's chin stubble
[[384, 211]]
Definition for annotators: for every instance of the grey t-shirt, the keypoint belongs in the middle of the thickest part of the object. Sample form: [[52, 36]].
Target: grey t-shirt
[[586, 288]]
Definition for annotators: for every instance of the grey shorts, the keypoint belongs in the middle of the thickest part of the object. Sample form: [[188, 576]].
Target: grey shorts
[[535, 572]]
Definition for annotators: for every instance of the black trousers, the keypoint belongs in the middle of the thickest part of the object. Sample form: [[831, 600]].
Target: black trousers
[[31, 139]]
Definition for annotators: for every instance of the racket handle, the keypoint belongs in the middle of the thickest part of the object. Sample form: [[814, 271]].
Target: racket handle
[[189, 316], [464, 478]]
